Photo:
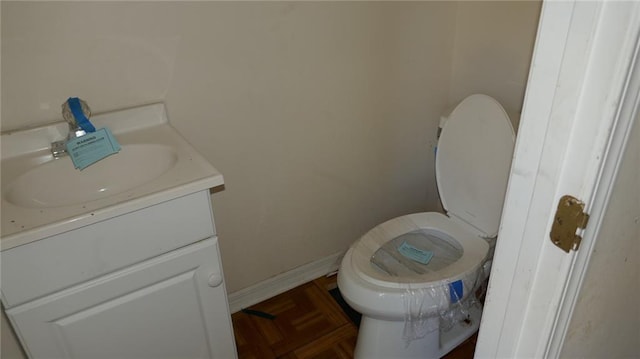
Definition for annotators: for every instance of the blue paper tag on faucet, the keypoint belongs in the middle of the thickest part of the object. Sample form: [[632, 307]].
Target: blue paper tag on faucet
[[92, 147]]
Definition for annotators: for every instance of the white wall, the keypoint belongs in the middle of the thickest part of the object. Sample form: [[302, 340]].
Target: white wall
[[493, 47], [605, 321], [321, 115]]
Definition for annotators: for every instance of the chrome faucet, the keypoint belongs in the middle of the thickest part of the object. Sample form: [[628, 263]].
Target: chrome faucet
[[59, 148]]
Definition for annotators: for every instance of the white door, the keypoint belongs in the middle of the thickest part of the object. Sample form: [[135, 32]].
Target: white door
[[161, 308], [606, 320], [581, 99]]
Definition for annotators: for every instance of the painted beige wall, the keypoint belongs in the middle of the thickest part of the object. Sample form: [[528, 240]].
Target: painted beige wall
[[492, 52], [326, 135], [605, 320], [321, 115]]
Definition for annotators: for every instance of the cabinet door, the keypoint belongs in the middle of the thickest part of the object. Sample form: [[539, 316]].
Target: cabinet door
[[166, 307]]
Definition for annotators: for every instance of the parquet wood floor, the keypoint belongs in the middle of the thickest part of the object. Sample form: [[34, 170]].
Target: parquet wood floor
[[308, 324]]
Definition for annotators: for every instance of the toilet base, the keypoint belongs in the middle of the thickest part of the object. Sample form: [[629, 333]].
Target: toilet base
[[460, 332], [383, 339]]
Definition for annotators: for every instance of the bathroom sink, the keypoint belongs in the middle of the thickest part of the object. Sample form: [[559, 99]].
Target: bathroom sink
[[56, 183], [43, 196]]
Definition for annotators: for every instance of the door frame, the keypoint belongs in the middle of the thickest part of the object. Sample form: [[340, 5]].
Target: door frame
[[579, 105]]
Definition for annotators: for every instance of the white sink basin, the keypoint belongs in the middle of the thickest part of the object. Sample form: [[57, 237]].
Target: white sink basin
[[56, 183], [43, 196]]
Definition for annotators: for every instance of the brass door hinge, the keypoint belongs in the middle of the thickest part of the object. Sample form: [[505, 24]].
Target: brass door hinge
[[569, 217]]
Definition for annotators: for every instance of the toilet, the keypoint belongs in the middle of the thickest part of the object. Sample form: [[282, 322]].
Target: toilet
[[413, 277]]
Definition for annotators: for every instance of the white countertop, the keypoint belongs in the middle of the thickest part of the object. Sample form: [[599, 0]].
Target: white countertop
[[24, 150]]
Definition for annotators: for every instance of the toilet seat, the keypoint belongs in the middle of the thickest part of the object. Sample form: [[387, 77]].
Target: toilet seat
[[474, 251], [473, 160], [474, 156]]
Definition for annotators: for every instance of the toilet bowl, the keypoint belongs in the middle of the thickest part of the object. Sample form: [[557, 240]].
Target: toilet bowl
[[411, 274]]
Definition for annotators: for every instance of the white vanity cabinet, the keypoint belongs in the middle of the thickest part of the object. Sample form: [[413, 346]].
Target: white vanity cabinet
[[145, 284], [119, 260]]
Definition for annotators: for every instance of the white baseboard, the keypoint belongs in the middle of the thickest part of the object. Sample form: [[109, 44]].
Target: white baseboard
[[283, 282]]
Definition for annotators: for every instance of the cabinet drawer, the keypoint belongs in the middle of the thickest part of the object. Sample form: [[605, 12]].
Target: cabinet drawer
[[66, 259]]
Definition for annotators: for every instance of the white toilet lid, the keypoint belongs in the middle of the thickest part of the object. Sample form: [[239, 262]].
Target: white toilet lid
[[473, 159], [474, 251]]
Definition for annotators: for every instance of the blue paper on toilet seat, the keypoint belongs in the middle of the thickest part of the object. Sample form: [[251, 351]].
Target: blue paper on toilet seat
[[414, 253], [92, 147]]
